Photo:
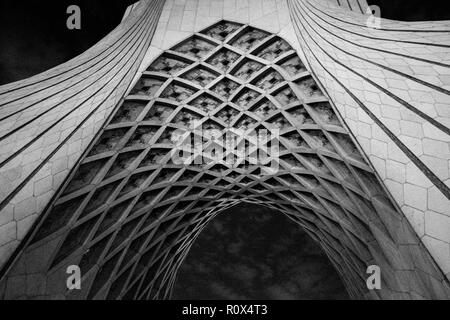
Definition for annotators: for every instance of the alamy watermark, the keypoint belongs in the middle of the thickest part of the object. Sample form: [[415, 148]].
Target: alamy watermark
[[73, 281], [373, 282], [200, 146], [374, 17], [74, 20]]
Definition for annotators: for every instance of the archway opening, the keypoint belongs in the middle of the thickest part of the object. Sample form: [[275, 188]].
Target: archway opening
[[250, 252]]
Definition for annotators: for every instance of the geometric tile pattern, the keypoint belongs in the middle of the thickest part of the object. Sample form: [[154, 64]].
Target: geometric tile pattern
[[128, 214]]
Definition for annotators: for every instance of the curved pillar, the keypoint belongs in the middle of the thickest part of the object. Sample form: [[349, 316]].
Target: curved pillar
[[391, 86], [47, 121]]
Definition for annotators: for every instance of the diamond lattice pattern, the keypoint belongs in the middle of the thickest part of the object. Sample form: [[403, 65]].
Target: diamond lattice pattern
[[129, 214]]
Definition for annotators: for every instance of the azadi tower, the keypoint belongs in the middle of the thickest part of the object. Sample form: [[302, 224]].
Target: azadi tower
[[88, 177]]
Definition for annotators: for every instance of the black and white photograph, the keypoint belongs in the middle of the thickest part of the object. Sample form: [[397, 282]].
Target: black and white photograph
[[217, 157]]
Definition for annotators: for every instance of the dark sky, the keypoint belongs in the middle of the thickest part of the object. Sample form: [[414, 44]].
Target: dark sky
[[413, 10], [262, 255], [251, 252], [34, 36]]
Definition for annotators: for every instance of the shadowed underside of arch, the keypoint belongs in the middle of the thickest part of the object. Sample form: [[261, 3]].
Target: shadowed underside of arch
[[128, 214]]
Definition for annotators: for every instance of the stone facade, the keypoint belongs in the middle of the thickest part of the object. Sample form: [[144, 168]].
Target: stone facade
[[87, 178]]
